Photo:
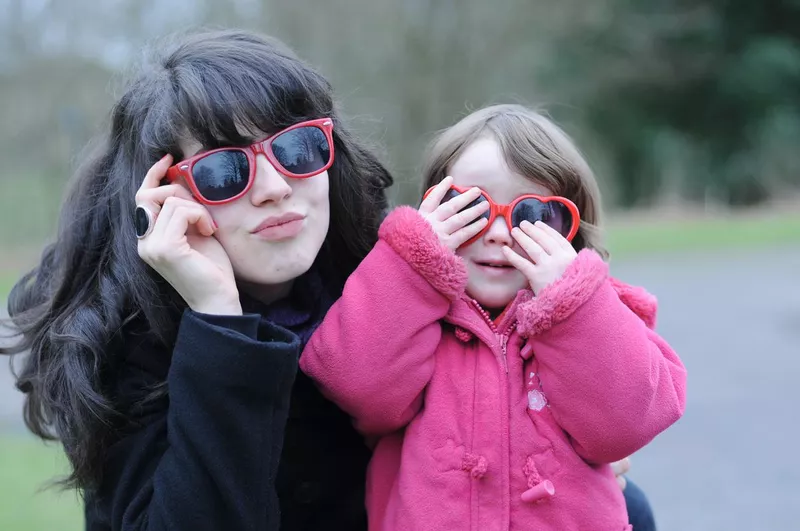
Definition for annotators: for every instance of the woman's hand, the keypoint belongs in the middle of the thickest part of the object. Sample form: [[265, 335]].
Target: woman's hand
[[452, 225], [621, 468], [181, 246], [549, 254]]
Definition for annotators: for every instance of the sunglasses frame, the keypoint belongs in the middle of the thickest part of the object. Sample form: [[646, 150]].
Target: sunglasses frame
[[505, 211], [183, 169]]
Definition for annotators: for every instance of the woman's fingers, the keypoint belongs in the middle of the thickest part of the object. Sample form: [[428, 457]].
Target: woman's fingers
[[178, 215], [153, 198], [620, 468], [156, 173]]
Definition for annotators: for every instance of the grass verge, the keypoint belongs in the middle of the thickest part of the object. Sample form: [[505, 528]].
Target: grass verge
[[26, 467], [632, 237]]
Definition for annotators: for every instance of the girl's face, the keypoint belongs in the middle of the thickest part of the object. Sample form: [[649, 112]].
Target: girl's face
[[272, 234], [493, 282]]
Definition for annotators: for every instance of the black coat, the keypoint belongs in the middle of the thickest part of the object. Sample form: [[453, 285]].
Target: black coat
[[251, 444], [225, 450]]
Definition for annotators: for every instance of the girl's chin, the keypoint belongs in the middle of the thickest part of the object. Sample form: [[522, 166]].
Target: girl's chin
[[491, 301]]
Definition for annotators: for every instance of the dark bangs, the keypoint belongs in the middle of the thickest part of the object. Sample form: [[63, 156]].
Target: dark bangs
[[231, 89]]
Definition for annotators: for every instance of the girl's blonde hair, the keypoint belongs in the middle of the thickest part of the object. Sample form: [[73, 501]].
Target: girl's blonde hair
[[532, 146]]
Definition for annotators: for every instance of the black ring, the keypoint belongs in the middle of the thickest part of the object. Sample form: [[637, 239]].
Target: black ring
[[142, 222]]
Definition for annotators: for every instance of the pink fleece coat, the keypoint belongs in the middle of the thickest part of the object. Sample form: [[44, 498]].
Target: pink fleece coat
[[456, 403]]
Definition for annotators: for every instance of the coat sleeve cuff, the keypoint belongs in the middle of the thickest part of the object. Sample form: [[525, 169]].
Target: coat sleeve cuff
[[559, 300], [412, 237]]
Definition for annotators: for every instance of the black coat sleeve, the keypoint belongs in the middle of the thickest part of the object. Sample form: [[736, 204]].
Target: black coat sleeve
[[206, 456]]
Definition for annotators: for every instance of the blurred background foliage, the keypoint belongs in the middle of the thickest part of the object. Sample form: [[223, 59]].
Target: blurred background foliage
[[675, 103]]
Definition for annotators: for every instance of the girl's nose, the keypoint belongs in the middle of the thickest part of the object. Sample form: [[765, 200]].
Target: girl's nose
[[498, 233]]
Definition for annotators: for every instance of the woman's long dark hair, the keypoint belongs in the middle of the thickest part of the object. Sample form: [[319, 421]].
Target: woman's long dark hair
[[91, 284]]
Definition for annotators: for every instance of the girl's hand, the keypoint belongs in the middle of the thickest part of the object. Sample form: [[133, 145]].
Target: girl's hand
[[549, 252], [452, 225], [181, 246]]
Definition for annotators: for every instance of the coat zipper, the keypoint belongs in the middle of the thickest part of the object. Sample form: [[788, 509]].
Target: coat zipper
[[503, 339], [504, 350]]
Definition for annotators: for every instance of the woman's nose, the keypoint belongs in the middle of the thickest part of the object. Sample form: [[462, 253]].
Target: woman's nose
[[269, 185]]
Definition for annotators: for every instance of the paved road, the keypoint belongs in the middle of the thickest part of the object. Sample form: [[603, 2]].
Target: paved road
[[729, 464], [732, 462]]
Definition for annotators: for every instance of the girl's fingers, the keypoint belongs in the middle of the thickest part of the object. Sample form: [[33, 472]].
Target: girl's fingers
[[520, 264], [465, 217], [434, 198], [555, 235], [540, 236], [531, 248], [457, 204], [463, 235]]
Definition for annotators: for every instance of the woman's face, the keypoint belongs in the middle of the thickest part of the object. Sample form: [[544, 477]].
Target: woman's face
[[272, 234]]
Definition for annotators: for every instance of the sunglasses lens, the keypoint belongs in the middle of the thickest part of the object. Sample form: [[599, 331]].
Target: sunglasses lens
[[221, 175], [552, 213], [451, 194], [302, 151]]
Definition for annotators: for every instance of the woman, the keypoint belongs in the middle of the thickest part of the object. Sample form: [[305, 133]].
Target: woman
[[166, 320], [213, 302]]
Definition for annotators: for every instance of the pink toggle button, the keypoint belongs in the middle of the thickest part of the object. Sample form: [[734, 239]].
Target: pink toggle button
[[539, 492], [527, 351], [476, 465], [465, 336]]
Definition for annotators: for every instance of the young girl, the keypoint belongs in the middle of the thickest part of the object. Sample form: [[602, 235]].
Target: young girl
[[486, 351]]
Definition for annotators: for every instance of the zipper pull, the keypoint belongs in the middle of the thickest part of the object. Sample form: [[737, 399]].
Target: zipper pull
[[503, 349]]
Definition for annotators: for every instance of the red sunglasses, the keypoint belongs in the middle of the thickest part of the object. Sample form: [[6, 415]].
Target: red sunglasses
[[226, 174], [557, 212]]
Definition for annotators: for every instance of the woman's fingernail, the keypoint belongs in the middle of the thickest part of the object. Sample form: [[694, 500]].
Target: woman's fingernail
[[215, 224]]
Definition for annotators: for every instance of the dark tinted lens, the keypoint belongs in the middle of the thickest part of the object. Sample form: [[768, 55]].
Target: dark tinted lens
[[552, 213], [302, 150], [455, 193], [221, 175]]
